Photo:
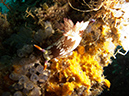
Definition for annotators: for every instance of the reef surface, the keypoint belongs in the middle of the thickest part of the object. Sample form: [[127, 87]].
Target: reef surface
[[81, 72]]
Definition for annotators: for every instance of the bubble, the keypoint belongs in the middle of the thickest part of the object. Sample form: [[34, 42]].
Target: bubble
[[40, 68], [34, 78], [29, 85], [14, 76], [23, 79], [18, 93]]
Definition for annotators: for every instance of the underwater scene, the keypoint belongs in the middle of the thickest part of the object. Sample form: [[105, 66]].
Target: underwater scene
[[64, 48]]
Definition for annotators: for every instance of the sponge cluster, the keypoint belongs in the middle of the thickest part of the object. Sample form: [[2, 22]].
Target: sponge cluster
[[30, 78]]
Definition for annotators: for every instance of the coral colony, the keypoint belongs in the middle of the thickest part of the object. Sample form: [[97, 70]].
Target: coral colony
[[76, 43]]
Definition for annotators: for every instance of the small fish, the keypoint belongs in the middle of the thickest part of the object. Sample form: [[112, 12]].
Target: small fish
[[67, 43]]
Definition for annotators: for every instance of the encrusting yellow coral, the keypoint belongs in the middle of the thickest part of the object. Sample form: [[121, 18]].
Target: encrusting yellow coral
[[84, 70]]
